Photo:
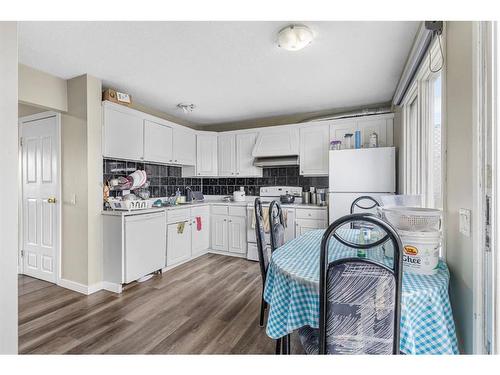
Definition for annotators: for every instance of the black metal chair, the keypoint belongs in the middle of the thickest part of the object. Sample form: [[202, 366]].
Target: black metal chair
[[277, 225], [359, 297], [263, 262], [357, 204]]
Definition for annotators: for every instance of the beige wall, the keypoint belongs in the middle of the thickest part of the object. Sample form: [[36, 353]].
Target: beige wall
[[459, 174], [42, 89], [82, 178], [94, 180], [8, 191], [28, 110], [74, 184]]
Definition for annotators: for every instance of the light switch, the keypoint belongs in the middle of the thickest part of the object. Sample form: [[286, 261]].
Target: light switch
[[464, 221]]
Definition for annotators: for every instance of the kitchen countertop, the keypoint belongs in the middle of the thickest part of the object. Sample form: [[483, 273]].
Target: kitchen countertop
[[217, 202]]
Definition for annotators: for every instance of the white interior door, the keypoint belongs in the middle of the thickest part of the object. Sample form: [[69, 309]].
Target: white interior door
[[40, 197]]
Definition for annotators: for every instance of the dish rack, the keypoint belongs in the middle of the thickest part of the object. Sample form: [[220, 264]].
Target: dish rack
[[412, 219], [130, 205]]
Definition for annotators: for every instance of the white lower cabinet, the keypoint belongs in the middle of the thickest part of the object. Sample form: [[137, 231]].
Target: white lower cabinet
[[307, 219], [229, 231], [200, 230], [178, 242], [237, 239]]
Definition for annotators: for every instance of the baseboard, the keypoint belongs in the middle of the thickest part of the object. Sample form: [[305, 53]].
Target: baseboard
[[73, 285], [94, 288], [112, 287], [227, 253]]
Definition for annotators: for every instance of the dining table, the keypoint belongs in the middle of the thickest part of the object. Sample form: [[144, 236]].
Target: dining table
[[292, 293]]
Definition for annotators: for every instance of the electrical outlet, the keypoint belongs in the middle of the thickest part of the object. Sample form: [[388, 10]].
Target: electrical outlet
[[464, 221]]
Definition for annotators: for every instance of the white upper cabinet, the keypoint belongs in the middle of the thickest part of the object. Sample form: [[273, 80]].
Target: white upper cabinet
[[282, 141], [206, 154], [123, 134], [314, 145], [245, 143], [184, 146], [157, 138], [382, 125], [227, 154]]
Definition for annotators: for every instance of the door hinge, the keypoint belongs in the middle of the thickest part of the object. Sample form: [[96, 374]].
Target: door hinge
[[21, 142], [488, 347], [22, 253]]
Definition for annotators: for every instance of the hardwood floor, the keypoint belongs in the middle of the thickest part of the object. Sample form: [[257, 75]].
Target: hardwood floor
[[209, 305]]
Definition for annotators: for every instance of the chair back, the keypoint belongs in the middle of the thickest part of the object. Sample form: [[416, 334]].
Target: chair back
[[364, 203], [277, 225], [261, 239], [359, 297]]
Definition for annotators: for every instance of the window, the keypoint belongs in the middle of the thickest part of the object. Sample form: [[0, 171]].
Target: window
[[423, 141]]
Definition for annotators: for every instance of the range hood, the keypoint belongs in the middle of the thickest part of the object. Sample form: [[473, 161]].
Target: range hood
[[276, 147], [276, 161]]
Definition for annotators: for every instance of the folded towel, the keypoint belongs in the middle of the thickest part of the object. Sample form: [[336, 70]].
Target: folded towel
[[265, 221], [180, 227], [198, 223]]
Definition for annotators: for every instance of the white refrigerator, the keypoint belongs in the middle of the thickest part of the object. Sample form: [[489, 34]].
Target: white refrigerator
[[357, 172]]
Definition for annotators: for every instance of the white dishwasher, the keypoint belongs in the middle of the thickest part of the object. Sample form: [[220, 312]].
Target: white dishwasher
[[145, 244]]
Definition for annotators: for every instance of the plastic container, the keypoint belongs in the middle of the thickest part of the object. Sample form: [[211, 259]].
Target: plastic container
[[401, 200], [348, 141], [420, 252], [357, 139], [414, 219]]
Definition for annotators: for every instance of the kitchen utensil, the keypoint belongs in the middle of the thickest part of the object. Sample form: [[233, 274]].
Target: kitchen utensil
[[130, 197], [189, 194], [313, 197], [239, 195], [306, 197], [287, 198]]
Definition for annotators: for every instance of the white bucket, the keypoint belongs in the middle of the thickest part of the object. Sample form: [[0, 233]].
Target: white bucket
[[420, 251]]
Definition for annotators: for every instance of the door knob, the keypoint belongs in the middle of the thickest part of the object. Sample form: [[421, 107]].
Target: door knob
[[51, 200]]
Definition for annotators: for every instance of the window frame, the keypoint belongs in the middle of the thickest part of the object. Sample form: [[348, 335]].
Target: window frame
[[417, 142]]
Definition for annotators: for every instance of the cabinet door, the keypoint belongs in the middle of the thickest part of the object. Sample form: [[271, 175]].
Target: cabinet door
[[184, 147], [384, 132], [206, 155], [305, 225], [237, 233], [200, 239], [157, 142], [178, 243], [123, 135], [339, 128], [219, 232], [244, 146], [227, 154], [314, 144]]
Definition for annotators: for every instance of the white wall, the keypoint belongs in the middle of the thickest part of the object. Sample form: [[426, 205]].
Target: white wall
[[8, 206], [459, 174]]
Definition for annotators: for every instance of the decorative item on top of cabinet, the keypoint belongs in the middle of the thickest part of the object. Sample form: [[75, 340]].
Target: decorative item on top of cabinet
[[314, 146]]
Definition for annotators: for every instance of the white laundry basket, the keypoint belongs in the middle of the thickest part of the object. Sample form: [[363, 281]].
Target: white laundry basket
[[413, 219]]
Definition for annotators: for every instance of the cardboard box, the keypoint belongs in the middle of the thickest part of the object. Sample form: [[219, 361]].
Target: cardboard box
[[117, 97]]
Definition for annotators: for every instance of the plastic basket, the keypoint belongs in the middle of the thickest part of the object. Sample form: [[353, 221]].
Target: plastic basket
[[412, 219], [130, 205]]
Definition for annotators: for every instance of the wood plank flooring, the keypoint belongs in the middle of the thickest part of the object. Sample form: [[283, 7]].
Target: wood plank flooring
[[207, 306]]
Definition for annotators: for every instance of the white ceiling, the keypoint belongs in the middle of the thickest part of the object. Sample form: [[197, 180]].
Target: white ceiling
[[231, 71]]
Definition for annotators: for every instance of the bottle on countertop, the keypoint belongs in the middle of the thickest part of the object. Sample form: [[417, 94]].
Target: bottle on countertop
[[374, 139]]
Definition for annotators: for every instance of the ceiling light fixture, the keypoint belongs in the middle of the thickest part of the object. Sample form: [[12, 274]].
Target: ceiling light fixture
[[295, 37], [186, 108]]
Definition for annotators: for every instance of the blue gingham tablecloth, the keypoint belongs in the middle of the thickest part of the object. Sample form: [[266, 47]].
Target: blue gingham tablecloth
[[292, 292]]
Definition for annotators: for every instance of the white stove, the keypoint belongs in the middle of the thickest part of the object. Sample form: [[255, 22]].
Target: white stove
[[267, 195], [270, 193]]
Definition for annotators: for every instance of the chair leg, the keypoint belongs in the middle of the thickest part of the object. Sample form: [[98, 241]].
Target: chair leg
[[278, 346], [262, 311], [288, 346]]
